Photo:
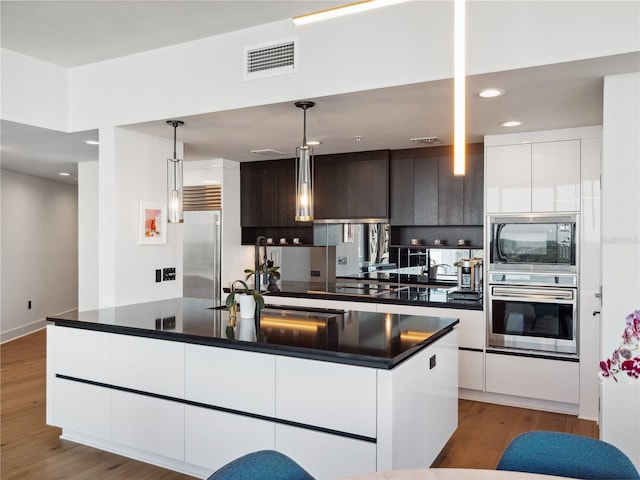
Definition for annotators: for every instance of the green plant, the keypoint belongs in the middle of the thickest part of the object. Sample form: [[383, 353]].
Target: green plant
[[243, 288], [272, 271]]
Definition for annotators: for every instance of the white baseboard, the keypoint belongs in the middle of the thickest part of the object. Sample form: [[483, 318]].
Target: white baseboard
[[22, 331], [136, 454], [520, 402], [27, 329]]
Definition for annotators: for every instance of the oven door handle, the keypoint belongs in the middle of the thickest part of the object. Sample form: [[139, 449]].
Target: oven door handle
[[527, 293]]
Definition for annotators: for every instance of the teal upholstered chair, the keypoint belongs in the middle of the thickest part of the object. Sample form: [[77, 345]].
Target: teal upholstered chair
[[262, 465], [566, 455]]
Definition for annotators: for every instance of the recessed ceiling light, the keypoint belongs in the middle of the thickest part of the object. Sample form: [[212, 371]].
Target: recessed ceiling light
[[490, 92], [511, 123], [92, 142], [64, 174]]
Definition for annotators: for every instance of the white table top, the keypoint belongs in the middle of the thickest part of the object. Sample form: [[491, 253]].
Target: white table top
[[450, 474]]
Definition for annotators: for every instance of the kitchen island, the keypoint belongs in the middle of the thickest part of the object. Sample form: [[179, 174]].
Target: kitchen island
[[172, 383]]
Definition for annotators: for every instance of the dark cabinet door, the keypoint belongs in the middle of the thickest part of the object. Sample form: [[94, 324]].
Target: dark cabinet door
[[450, 196], [251, 213], [368, 187], [351, 186], [329, 187], [401, 191], [267, 194], [474, 189], [284, 193], [425, 191]]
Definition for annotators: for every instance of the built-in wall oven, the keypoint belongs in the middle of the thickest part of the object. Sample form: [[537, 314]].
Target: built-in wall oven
[[534, 319], [533, 285]]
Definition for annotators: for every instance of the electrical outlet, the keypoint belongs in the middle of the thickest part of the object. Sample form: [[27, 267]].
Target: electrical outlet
[[158, 275], [168, 274], [315, 273], [342, 260]]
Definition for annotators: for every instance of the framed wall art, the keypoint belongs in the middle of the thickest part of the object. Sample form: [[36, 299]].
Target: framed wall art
[[152, 224]]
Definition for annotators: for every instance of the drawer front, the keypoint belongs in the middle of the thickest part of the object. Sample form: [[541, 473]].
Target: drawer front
[[531, 377], [324, 455], [234, 379], [471, 370], [80, 353], [82, 408], [329, 395], [148, 423], [149, 365], [214, 438]]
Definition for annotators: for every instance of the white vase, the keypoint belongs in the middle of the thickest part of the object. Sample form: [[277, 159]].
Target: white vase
[[247, 305], [247, 329]]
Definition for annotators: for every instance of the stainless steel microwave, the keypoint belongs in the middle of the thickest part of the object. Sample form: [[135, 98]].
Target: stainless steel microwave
[[533, 243]]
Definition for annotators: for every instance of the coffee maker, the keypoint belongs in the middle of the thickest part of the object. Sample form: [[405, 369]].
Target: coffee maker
[[470, 274]]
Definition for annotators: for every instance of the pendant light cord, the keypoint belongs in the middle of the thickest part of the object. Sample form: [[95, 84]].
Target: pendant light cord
[[175, 124]]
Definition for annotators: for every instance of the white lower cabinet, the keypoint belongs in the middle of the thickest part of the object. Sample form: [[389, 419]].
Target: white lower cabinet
[[532, 377], [80, 353], [210, 373], [214, 438], [419, 401], [335, 419], [471, 370], [328, 395], [82, 408], [326, 456], [147, 364], [147, 423]]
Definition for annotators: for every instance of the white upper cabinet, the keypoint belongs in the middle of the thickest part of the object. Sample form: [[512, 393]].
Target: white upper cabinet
[[535, 172], [508, 178], [555, 176]]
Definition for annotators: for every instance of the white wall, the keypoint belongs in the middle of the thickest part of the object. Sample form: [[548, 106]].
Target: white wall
[[38, 250], [402, 44], [141, 175], [620, 401], [28, 85], [132, 168], [88, 201]]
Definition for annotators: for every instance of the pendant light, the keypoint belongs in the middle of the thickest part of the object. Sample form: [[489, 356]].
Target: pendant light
[[174, 180], [304, 172], [459, 88]]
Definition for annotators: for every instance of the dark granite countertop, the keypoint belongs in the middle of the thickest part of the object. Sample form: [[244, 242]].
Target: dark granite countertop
[[359, 338], [445, 296]]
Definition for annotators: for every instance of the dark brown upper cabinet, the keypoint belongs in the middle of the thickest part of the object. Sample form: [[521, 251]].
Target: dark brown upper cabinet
[[267, 194], [424, 190], [352, 186]]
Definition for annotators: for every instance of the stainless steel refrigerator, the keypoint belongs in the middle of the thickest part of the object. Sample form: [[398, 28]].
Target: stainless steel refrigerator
[[201, 255]]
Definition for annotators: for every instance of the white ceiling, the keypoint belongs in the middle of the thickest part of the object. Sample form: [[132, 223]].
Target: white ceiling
[[71, 33]]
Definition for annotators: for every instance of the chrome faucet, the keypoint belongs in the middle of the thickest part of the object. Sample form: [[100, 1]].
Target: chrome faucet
[[260, 242]]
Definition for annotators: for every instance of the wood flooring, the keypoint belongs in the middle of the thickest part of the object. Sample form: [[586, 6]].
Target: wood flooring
[[30, 449]]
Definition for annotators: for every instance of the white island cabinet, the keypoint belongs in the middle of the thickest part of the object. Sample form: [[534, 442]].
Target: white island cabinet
[[194, 407]]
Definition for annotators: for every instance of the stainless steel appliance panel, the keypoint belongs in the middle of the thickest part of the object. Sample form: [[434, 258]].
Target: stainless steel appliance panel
[[542, 320], [201, 255]]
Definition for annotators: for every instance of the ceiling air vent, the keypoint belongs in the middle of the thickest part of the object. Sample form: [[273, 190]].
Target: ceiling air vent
[[278, 58], [268, 152], [426, 140]]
